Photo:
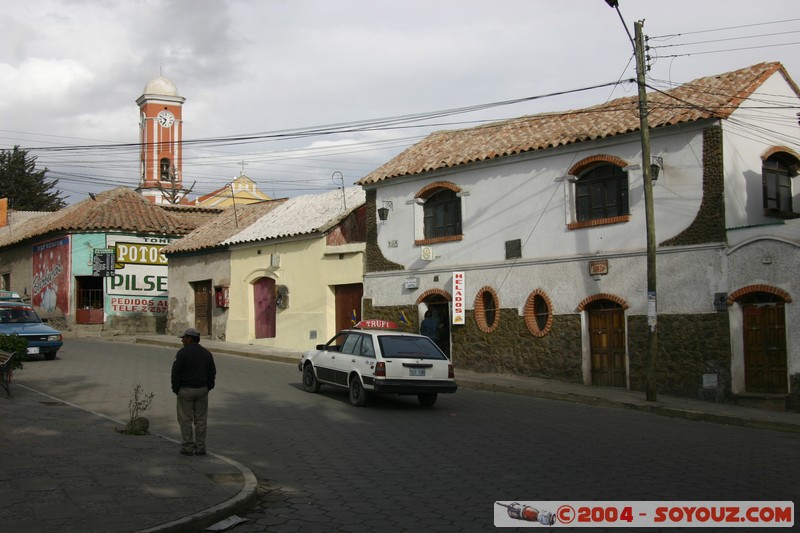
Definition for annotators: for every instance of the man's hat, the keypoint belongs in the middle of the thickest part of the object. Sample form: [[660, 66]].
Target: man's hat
[[191, 332]]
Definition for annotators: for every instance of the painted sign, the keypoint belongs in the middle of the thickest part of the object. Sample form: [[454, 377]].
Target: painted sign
[[51, 277], [599, 267], [103, 262], [139, 280], [459, 310]]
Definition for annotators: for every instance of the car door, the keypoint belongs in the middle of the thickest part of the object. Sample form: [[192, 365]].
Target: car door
[[325, 359], [358, 354]]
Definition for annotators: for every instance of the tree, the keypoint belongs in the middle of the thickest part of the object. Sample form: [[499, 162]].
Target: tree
[[25, 187]]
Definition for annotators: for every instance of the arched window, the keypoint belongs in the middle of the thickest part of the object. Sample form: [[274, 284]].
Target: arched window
[[164, 169], [442, 214], [776, 178], [601, 192]]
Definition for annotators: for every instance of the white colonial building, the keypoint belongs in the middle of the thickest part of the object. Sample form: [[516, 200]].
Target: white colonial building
[[545, 217]]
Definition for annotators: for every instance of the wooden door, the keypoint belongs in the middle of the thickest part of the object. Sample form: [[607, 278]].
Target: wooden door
[[348, 305], [765, 348], [202, 307], [607, 346], [264, 312]]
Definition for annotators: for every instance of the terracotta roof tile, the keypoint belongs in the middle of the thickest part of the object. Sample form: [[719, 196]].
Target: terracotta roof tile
[[710, 97], [117, 210]]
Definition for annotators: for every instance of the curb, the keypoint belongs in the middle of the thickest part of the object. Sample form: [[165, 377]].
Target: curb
[[649, 408], [203, 519]]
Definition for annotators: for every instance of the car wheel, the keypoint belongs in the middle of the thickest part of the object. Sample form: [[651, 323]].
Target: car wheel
[[427, 399], [358, 396], [50, 356], [310, 383]]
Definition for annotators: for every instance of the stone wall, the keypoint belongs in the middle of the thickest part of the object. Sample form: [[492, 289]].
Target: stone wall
[[137, 323], [512, 349], [375, 261], [688, 347], [709, 223]]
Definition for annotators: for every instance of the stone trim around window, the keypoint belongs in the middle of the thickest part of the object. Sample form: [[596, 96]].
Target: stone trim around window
[[435, 186], [529, 314], [480, 310], [601, 296], [581, 165], [448, 238], [599, 222], [744, 291]]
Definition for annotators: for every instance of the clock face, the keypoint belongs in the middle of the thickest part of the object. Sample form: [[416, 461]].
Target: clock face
[[165, 118]]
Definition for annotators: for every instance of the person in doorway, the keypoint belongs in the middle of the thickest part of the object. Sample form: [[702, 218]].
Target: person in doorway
[[193, 376], [430, 326]]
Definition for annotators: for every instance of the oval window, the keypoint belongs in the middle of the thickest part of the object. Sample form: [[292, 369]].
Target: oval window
[[538, 313], [487, 310]]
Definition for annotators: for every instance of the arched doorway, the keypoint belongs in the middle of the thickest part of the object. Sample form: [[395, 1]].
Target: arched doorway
[[264, 308], [439, 306], [764, 330], [607, 343]]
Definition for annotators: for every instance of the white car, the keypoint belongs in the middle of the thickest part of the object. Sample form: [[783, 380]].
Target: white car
[[375, 356]]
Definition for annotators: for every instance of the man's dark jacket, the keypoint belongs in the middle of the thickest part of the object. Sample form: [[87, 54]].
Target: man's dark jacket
[[193, 368]]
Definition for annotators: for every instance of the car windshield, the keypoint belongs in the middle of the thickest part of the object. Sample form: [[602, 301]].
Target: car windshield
[[405, 347], [18, 315]]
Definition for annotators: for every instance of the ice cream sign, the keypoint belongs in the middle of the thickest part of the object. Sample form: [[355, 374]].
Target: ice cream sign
[[458, 298]]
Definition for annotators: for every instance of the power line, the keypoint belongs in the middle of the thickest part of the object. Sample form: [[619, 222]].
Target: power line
[[725, 28]]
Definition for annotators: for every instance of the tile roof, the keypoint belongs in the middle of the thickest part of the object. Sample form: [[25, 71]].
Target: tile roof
[[229, 223], [705, 98], [303, 215], [117, 210]]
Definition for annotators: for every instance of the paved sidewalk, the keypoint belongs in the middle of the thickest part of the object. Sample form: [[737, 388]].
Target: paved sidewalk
[[67, 469]]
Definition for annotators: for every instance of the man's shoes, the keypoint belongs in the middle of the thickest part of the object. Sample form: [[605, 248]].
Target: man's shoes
[[187, 452], [200, 453]]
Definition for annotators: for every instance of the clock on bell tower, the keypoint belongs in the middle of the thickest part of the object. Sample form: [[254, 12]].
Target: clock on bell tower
[[161, 137]]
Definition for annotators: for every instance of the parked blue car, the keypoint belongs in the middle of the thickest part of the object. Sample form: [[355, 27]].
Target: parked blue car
[[20, 319]]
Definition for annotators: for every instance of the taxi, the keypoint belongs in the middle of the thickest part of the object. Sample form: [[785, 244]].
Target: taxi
[[10, 296], [376, 357]]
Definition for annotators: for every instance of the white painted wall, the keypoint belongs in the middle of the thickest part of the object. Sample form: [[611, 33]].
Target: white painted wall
[[526, 198], [748, 133]]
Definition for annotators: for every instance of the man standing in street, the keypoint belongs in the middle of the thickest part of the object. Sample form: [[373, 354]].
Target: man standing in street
[[193, 376]]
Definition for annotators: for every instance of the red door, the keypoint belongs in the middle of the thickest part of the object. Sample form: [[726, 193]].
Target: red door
[[348, 305], [264, 301]]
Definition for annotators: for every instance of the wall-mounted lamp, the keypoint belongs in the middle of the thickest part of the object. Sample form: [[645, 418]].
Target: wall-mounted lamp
[[383, 212], [656, 164]]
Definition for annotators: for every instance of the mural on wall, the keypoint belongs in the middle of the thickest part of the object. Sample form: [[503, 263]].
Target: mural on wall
[[51, 277], [139, 283]]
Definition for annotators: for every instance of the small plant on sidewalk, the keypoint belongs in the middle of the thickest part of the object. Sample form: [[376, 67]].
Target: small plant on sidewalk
[[140, 401], [16, 345]]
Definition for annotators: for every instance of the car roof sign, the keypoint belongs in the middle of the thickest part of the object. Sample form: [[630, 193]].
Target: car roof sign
[[376, 324]]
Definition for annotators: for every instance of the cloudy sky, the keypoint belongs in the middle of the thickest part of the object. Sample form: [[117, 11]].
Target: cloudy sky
[[278, 71]]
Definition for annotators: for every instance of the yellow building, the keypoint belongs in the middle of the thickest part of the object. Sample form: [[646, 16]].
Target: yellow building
[[241, 191]]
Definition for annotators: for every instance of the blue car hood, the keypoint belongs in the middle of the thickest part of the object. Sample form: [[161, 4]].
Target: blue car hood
[[23, 329]]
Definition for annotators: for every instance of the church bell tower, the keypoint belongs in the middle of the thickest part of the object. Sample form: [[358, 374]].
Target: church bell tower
[[161, 137]]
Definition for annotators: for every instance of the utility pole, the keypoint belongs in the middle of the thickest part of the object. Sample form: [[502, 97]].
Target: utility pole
[[652, 317]]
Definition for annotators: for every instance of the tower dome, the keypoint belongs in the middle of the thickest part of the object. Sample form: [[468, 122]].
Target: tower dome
[[161, 86]]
